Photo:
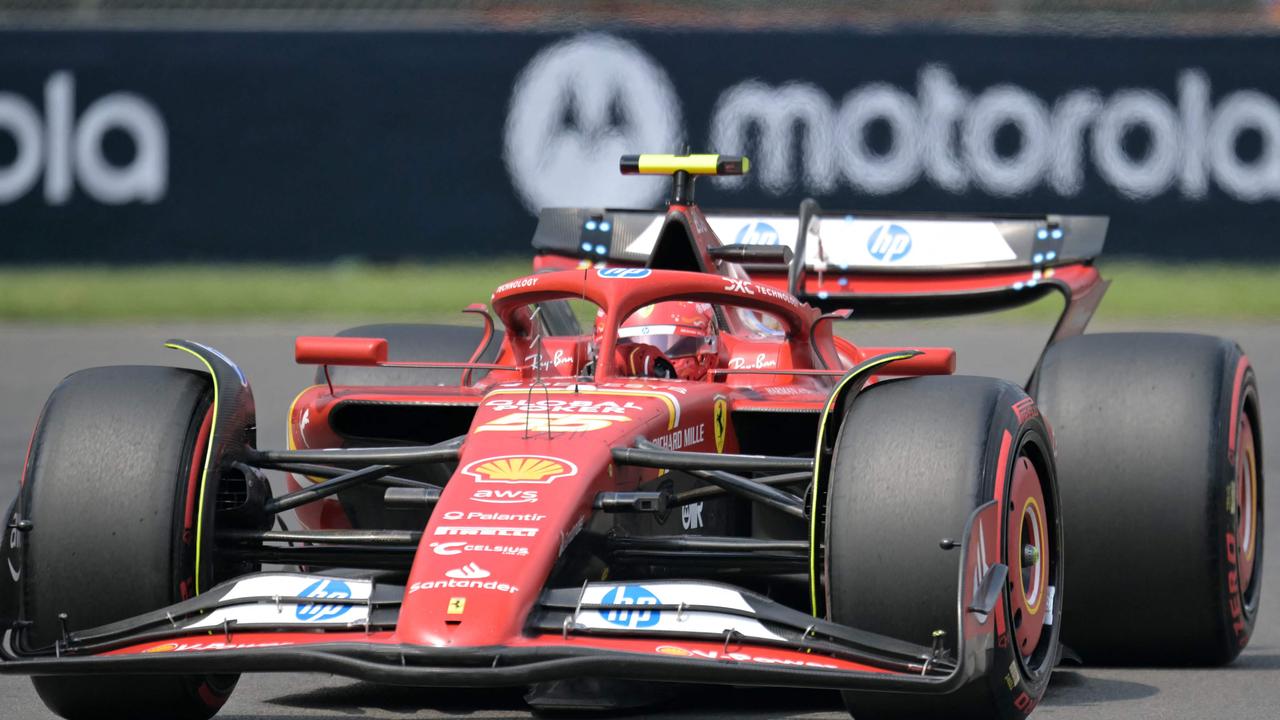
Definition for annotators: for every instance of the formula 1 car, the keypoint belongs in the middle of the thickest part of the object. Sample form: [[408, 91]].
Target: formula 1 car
[[703, 484]]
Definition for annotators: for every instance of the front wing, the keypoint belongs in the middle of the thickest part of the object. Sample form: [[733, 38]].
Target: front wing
[[692, 632]]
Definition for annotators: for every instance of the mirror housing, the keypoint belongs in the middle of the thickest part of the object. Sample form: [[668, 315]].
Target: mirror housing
[[310, 350]]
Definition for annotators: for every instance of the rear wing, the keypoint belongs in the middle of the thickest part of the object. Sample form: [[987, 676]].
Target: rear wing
[[874, 263]]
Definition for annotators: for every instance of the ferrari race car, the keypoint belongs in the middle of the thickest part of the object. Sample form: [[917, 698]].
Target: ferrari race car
[[658, 464]]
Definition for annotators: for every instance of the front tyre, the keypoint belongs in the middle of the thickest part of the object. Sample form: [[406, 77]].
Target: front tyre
[[112, 489], [913, 460]]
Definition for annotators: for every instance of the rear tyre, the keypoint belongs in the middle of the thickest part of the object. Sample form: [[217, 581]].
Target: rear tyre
[[1160, 449], [913, 460], [111, 490]]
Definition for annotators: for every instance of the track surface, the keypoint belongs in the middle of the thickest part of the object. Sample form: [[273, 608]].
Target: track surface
[[33, 359]]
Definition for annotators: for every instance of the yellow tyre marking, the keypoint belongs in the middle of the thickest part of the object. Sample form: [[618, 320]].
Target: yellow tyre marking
[[208, 456]]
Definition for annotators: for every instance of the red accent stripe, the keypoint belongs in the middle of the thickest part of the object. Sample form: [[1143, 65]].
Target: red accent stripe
[[26, 461], [197, 469], [1005, 443], [692, 649], [1235, 401], [202, 642]]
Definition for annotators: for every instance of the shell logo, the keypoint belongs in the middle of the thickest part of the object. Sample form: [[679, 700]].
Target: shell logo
[[513, 469], [673, 650], [167, 647]]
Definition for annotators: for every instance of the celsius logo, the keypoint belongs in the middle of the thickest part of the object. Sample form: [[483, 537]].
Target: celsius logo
[[1140, 142], [71, 151], [576, 108], [889, 243], [635, 597], [324, 590], [757, 233]]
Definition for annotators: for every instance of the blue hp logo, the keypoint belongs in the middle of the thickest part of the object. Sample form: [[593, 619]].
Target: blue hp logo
[[635, 596], [621, 273], [757, 233], [889, 243], [324, 590]]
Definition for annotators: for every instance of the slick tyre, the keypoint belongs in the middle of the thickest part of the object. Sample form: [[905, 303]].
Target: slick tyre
[[1160, 458], [111, 486], [913, 460]]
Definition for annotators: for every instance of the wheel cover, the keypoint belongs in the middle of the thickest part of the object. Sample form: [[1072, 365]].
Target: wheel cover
[[1028, 556], [1246, 509]]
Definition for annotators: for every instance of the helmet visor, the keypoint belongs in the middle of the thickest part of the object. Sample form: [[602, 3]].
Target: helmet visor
[[672, 340]]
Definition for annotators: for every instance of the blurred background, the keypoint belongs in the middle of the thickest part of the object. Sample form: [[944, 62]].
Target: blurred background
[[242, 171], [188, 150]]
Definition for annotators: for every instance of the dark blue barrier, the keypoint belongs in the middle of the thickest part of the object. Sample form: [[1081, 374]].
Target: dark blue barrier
[[149, 146]]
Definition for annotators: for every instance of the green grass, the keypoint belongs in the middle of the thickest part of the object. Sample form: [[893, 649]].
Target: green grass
[[400, 292], [1203, 290], [230, 292]]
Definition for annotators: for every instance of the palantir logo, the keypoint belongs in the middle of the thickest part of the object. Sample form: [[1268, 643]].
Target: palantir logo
[[324, 590], [633, 616], [578, 106], [889, 243], [757, 233]]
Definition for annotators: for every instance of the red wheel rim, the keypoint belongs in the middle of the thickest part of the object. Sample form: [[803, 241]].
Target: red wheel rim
[[1028, 556], [1246, 502]]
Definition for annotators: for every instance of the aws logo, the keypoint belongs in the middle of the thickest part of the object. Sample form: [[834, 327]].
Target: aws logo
[[578, 106], [519, 469]]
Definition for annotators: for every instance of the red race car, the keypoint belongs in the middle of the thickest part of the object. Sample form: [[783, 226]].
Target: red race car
[[659, 464]]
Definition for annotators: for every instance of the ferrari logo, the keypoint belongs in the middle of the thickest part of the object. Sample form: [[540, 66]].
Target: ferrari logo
[[456, 606], [720, 422], [519, 469]]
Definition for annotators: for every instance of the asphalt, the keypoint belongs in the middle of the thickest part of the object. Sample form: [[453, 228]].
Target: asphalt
[[33, 358]]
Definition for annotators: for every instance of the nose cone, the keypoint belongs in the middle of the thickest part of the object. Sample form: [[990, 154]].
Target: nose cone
[[525, 484]]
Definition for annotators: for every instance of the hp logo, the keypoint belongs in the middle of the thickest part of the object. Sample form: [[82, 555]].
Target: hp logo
[[622, 273], [324, 590], [889, 243], [632, 595], [757, 233]]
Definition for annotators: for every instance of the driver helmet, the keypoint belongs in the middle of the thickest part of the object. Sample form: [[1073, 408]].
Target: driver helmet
[[683, 331]]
